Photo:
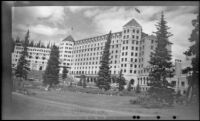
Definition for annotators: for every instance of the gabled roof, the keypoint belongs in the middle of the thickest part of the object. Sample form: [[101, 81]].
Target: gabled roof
[[69, 38], [132, 22]]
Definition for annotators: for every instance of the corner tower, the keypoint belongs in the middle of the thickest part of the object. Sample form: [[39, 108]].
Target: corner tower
[[65, 51], [131, 37]]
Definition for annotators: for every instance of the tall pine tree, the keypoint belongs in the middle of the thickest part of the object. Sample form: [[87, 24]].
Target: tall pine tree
[[104, 78], [23, 64], [194, 51], [64, 73], [51, 75], [121, 81], [161, 65]]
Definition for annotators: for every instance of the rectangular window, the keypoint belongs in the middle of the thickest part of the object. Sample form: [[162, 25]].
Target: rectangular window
[[183, 84], [130, 71], [133, 36], [152, 47], [135, 60], [131, 53], [151, 41]]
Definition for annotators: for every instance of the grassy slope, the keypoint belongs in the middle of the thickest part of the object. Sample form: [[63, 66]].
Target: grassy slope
[[31, 108], [78, 104]]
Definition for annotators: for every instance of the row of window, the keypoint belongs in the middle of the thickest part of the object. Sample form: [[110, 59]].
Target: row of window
[[104, 37], [127, 31], [126, 53], [65, 48], [133, 37], [66, 44], [133, 42], [94, 49], [126, 47]]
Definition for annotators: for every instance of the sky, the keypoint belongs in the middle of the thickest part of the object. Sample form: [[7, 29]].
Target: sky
[[54, 23]]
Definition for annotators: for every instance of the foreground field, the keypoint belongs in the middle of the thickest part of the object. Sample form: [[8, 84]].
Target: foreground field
[[72, 105]]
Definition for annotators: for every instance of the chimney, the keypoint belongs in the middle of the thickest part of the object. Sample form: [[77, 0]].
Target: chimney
[[178, 67]]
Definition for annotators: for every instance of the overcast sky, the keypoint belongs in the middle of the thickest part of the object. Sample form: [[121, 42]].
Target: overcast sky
[[54, 23]]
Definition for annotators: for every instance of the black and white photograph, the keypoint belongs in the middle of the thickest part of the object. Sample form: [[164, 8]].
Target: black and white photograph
[[131, 60]]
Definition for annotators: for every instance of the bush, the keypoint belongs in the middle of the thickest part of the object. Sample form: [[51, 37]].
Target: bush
[[147, 101], [138, 89]]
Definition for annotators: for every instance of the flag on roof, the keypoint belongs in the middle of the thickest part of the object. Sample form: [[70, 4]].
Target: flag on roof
[[137, 10]]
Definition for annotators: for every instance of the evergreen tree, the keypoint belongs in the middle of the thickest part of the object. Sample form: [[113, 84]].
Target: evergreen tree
[[129, 86], [121, 81], [104, 79], [31, 44], [161, 65], [138, 88], [51, 75], [83, 79], [23, 64], [64, 73], [48, 46], [194, 51], [12, 45], [39, 44], [42, 45], [17, 39]]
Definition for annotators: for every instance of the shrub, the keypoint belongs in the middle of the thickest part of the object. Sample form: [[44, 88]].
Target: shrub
[[147, 101], [138, 89], [80, 83]]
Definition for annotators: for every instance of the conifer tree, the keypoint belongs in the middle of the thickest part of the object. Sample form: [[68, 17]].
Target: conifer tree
[[138, 88], [64, 73], [31, 44], [193, 51], [23, 64], [12, 44], [161, 65], [129, 86], [104, 78], [51, 75], [121, 81], [17, 39], [83, 79]]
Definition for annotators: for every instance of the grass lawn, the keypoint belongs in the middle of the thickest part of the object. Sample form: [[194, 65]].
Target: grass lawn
[[65, 104], [73, 105]]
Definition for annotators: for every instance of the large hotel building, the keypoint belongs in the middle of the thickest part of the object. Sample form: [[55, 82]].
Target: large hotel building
[[130, 52]]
